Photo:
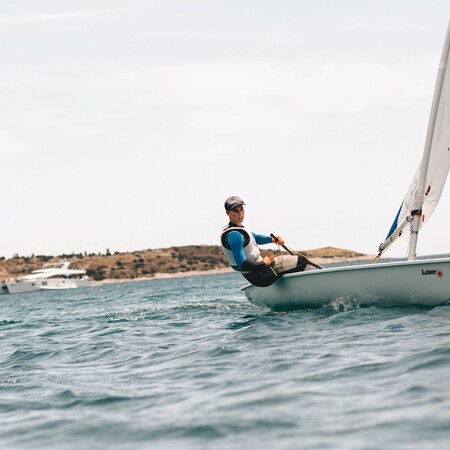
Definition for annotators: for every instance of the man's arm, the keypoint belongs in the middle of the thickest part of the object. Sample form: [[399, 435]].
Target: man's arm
[[262, 239], [236, 242]]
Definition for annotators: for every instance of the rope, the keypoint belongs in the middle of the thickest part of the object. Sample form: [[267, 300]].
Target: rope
[[297, 253], [375, 259]]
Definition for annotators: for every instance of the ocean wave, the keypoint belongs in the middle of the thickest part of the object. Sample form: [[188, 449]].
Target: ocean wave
[[200, 367]]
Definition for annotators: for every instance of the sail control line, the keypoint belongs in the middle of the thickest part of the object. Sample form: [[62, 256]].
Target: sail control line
[[297, 253]]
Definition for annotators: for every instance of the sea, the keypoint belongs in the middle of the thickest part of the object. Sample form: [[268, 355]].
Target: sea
[[189, 363]]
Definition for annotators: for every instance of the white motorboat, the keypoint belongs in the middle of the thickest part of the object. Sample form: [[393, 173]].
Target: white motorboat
[[50, 277], [404, 283]]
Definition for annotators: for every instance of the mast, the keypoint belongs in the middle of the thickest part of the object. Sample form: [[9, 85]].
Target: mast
[[417, 212]]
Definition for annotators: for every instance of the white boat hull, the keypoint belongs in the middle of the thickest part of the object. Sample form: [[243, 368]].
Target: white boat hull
[[403, 283], [15, 287]]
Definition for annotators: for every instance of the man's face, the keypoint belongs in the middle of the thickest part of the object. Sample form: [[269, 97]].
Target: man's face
[[237, 215]]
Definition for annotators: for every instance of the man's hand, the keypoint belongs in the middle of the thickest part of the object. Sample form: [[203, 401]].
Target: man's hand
[[278, 240], [269, 260]]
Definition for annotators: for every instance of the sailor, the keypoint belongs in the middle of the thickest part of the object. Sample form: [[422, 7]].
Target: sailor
[[240, 247]]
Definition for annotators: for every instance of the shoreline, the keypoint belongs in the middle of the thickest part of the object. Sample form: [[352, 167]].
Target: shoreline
[[196, 273], [162, 276], [326, 261], [151, 264]]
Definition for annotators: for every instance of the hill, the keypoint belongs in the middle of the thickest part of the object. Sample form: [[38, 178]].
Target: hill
[[146, 263]]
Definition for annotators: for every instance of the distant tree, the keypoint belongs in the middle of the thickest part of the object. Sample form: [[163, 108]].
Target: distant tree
[[44, 258], [97, 274]]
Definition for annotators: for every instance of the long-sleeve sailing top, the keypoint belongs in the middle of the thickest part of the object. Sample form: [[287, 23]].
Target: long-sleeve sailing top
[[236, 243]]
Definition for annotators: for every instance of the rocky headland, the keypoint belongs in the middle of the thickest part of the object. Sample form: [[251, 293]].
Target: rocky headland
[[154, 263]]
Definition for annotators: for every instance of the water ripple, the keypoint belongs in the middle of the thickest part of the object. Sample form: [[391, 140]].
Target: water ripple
[[190, 364]]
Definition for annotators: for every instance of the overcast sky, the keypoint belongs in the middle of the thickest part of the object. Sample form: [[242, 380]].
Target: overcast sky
[[125, 124]]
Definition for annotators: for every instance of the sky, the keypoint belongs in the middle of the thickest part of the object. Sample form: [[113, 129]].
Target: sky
[[124, 125]]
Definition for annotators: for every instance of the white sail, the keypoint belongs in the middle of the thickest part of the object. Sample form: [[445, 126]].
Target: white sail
[[438, 164], [403, 283]]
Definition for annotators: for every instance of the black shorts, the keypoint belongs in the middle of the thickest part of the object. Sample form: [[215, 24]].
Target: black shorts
[[265, 276]]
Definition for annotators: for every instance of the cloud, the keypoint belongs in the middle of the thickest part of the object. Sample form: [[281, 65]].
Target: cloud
[[24, 19], [75, 123], [12, 145]]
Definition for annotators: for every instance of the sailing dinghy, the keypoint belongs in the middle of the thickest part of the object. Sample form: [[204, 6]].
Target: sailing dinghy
[[403, 283]]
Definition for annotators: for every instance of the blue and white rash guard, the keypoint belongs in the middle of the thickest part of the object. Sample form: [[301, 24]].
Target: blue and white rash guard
[[240, 247]]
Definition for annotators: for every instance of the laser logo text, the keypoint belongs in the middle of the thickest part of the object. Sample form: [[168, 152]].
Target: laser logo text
[[439, 273]]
